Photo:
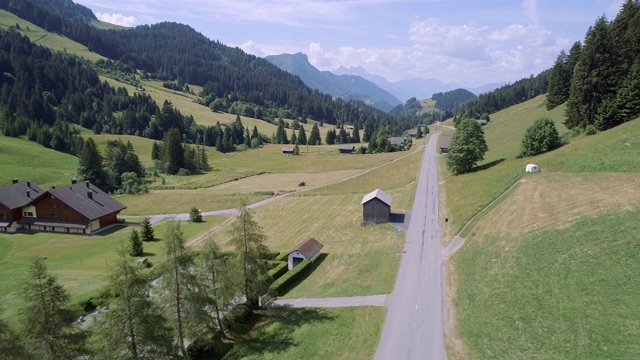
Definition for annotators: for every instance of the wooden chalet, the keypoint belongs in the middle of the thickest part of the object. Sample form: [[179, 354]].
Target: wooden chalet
[[445, 143], [80, 208], [396, 142], [346, 149], [376, 207], [13, 198], [305, 250]]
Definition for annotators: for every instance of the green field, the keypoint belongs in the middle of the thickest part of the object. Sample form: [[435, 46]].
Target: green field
[[310, 333], [546, 272]]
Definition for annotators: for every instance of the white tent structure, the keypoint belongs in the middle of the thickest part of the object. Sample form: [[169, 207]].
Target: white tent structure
[[532, 168]]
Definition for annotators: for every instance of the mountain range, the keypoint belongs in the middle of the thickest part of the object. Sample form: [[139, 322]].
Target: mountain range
[[355, 83]]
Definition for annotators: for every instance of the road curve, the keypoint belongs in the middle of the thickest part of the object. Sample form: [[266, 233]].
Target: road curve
[[413, 328]]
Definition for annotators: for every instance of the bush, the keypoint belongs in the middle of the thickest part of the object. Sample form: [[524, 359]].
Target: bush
[[183, 172], [283, 256], [279, 286], [236, 320], [195, 215], [278, 270], [208, 346], [540, 137]]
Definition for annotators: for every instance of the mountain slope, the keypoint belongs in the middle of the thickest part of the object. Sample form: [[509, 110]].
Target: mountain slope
[[345, 86]]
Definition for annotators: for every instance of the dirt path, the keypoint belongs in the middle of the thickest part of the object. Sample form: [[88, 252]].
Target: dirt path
[[372, 300]]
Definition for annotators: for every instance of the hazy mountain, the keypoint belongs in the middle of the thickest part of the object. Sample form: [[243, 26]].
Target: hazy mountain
[[351, 87], [418, 88]]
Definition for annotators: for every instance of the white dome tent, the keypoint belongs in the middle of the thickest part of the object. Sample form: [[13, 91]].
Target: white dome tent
[[532, 168]]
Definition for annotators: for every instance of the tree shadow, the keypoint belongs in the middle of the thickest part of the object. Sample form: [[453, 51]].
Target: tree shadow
[[487, 165], [315, 264], [288, 320]]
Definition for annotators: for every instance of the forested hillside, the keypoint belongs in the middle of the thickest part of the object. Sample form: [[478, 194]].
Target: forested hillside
[[176, 52], [451, 99]]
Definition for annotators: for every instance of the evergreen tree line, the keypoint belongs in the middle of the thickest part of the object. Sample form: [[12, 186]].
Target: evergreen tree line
[[194, 301], [449, 100], [173, 157], [600, 80], [505, 96]]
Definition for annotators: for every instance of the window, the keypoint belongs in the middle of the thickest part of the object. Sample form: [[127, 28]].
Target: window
[[27, 214]]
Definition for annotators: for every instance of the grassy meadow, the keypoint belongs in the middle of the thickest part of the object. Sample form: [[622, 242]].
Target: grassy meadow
[[295, 333], [80, 263], [545, 272]]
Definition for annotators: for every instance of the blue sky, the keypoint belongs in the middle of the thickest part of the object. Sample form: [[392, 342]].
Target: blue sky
[[462, 41]]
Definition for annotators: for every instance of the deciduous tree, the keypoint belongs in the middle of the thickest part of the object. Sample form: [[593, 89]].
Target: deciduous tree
[[540, 137], [468, 146]]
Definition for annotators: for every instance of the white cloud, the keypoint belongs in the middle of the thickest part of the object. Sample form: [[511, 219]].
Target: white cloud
[[461, 41], [251, 47], [117, 19], [531, 10]]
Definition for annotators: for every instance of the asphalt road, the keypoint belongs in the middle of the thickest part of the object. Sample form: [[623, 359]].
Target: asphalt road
[[414, 326]]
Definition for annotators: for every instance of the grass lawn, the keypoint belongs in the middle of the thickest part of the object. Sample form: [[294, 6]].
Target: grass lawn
[[312, 333], [81, 263], [552, 293]]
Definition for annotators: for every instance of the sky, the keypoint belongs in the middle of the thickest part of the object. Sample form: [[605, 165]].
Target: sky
[[467, 42]]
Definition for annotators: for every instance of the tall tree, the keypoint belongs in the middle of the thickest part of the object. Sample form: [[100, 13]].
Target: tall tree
[[368, 131], [356, 134], [594, 77], [90, 165], [177, 281], [559, 82], [11, 346], [173, 151], [302, 136], [46, 318], [134, 327], [135, 244], [468, 146], [219, 282], [314, 137], [248, 240]]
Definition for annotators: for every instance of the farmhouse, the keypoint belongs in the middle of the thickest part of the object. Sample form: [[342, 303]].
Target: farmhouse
[[13, 198], [287, 151], [413, 133], [445, 143], [376, 207], [396, 142], [346, 149], [306, 250]]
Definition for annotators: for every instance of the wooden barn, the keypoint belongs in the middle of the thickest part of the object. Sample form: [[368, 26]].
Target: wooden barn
[[13, 198], [445, 143], [376, 207], [346, 149], [305, 250]]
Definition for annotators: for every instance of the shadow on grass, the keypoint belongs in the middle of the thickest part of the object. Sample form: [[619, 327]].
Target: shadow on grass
[[113, 229], [278, 339], [487, 165], [313, 267]]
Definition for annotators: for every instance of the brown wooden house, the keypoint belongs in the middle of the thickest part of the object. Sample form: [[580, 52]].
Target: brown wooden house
[[445, 143], [346, 149], [13, 198], [376, 207], [79, 208]]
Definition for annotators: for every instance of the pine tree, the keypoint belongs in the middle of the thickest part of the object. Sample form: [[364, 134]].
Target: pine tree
[[135, 244], [294, 138], [419, 134], [468, 146], [314, 137], [155, 151], [368, 131], [356, 134], [248, 240], [173, 151], [302, 136], [296, 150], [11, 346], [47, 320], [559, 82], [134, 327], [255, 133], [146, 232], [90, 166], [177, 281]]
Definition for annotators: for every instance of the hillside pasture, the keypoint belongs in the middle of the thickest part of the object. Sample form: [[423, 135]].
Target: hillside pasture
[[42, 37], [27, 160]]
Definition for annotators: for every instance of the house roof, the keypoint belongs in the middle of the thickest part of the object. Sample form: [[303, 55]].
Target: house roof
[[287, 149], [87, 199], [346, 147], [309, 248], [445, 141], [377, 193], [397, 140], [19, 194]]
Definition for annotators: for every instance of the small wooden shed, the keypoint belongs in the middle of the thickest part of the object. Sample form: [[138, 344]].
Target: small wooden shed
[[445, 143], [346, 149], [287, 151], [305, 250], [376, 207]]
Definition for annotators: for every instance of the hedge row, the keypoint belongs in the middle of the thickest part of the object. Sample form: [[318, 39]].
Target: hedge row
[[280, 286], [281, 256], [278, 270]]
